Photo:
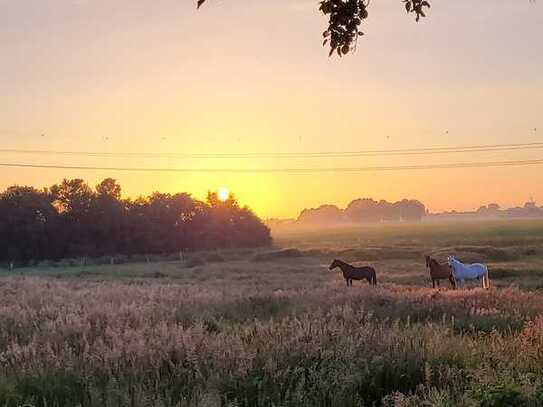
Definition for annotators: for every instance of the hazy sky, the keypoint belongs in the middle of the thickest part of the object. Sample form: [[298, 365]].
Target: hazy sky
[[251, 76]]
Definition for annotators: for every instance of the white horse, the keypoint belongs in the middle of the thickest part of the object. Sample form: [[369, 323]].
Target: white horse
[[462, 272]]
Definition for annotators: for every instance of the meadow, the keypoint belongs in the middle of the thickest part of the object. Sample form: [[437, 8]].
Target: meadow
[[275, 327]]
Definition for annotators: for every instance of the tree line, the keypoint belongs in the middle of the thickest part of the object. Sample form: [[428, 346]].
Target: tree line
[[72, 220], [365, 210]]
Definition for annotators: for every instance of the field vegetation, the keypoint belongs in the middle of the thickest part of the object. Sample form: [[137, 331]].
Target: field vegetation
[[274, 327]]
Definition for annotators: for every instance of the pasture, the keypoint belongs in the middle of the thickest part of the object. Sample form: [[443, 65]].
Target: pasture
[[277, 328]]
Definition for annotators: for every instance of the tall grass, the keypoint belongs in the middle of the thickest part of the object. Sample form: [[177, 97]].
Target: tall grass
[[76, 343]]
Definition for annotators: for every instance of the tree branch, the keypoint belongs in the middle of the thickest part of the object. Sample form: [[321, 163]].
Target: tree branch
[[345, 18]]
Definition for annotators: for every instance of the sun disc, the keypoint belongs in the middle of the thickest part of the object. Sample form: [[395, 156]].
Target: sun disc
[[223, 194]]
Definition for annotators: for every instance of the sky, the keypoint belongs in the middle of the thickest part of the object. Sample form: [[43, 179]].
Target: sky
[[158, 76]]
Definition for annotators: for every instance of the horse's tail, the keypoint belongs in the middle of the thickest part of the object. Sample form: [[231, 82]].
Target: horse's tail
[[486, 279], [374, 277]]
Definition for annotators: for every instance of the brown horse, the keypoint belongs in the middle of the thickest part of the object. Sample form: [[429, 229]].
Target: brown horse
[[439, 272], [351, 273]]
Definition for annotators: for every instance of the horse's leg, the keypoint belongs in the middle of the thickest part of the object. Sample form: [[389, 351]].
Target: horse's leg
[[347, 281], [438, 283], [433, 283]]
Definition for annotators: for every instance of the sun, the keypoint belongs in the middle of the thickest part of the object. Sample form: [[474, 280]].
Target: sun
[[223, 194]]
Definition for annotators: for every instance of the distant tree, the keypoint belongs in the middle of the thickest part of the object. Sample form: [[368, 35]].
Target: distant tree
[[324, 214], [109, 188], [248, 230], [28, 225], [369, 210], [228, 225], [160, 223], [73, 199], [364, 210], [189, 221], [493, 207], [410, 210], [136, 234], [345, 18], [107, 215], [388, 211], [172, 222]]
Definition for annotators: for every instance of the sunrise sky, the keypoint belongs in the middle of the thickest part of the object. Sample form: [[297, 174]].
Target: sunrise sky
[[251, 76]]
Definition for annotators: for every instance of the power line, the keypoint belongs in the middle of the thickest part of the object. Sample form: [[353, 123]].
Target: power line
[[321, 154], [479, 164]]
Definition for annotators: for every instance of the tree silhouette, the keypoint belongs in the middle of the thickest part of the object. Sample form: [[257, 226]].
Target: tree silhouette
[[74, 199], [28, 224], [345, 18], [107, 215], [72, 220]]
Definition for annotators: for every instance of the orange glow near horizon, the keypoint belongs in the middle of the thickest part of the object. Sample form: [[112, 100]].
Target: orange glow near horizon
[[137, 77]]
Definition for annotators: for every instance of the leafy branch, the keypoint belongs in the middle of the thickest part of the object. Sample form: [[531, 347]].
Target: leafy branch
[[345, 18]]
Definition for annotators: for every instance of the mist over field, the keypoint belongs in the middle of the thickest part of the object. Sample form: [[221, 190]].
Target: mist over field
[[367, 211]]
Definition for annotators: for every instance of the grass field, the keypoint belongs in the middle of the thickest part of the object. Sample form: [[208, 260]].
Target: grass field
[[246, 328]]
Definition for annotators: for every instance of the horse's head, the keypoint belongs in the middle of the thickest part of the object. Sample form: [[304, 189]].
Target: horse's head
[[427, 261], [334, 264]]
